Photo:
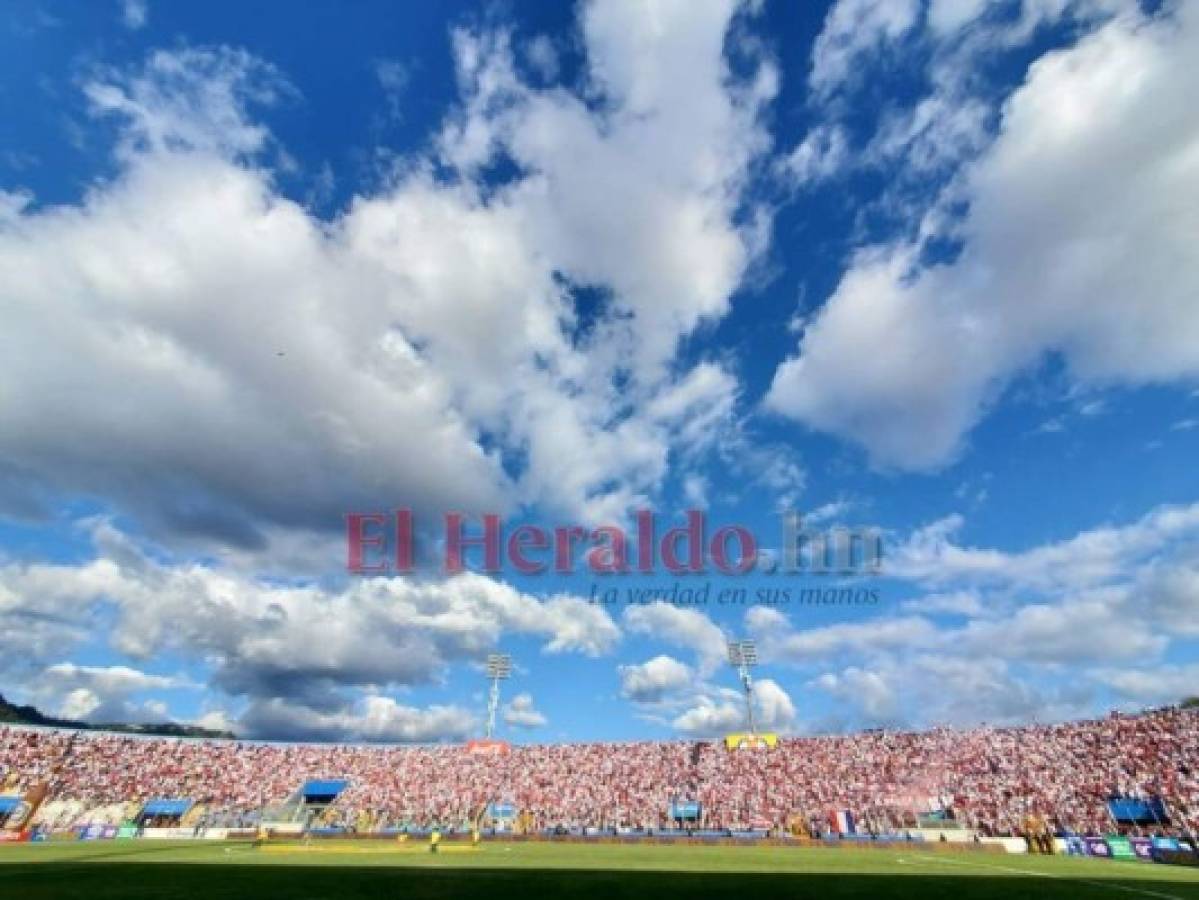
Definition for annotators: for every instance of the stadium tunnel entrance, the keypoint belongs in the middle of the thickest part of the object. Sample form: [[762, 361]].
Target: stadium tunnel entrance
[[163, 812]]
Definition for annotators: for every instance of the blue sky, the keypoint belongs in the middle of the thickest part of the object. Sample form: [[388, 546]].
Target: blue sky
[[920, 266]]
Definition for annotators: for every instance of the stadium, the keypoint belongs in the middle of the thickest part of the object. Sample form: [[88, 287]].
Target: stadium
[[599, 448], [1089, 808]]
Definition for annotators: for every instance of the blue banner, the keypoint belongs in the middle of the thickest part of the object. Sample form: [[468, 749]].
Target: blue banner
[[163, 806], [323, 789]]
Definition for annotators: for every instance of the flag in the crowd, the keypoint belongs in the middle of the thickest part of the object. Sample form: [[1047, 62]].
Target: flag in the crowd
[[842, 821]]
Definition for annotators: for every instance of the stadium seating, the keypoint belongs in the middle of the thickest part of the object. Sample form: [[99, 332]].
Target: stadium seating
[[987, 779]]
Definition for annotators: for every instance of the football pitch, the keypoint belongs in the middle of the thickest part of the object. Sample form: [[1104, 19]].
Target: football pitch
[[541, 871]]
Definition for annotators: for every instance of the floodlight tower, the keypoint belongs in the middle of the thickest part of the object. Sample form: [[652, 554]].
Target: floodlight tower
[[743, 656], [499, 667]]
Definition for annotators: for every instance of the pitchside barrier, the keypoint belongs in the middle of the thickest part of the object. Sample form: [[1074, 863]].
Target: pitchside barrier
[[674, 838], [1113, 846], [1106, 847], [1166, 850]]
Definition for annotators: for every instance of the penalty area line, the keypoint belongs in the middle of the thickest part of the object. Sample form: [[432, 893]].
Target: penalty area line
[[1144, 892]]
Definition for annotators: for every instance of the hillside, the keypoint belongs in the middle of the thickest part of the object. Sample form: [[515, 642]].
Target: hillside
[[12, 714]]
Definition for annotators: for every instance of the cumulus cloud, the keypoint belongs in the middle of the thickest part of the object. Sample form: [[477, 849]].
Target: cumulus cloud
[[1156, 684], [711, 716], [947, 16], [852, 29], [1092, 558], [301, 645], [213, 344], [823, 152], [189, 99], [685, 698], [869, 691], [374, 718], [1067, 629], [832, 511], [779, 640], [1107, 605], [1077, 209], [520, 712], [957, 603], [927, 689], [1167, 592], [773, 708], [680, 627], [103, 694], [1077, 629], [671, 693], [542, 55], [655, 679], [719, 712]]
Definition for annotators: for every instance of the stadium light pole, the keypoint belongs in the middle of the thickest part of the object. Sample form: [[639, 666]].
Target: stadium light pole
[[743, 656], [499, 667]]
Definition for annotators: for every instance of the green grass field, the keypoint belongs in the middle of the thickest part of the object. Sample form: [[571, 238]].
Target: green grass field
[[373, 869]]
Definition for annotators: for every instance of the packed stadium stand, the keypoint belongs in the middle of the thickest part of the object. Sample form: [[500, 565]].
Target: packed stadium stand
[[985, 779]]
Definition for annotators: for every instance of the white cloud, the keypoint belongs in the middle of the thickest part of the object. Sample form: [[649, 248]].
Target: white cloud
[[680, 627], [779, 641], [185, 301], [1038, 633], [853, 29], [1167, 594], [217, 720], [828, 512], [1077, 630], [1082, 204], [394, 78], [945, 689], [722, 711], [695, 491], [1160, 684], [669, 692], [102, 693], [773, 708], [1091, 558], [957, 603], [655, 679], [822, 153], [710, 717], [134, 14], [374, 718], [939, 131], [869, 691], [300, 643], [189, 99], [520, 712], [677, 261], [12, 204], [946, 16], [543, 56]]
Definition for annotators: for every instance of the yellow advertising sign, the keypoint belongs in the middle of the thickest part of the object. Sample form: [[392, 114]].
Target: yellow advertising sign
[[747, 741]]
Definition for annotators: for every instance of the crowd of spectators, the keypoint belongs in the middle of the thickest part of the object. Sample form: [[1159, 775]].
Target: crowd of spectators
[[989, 779]]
